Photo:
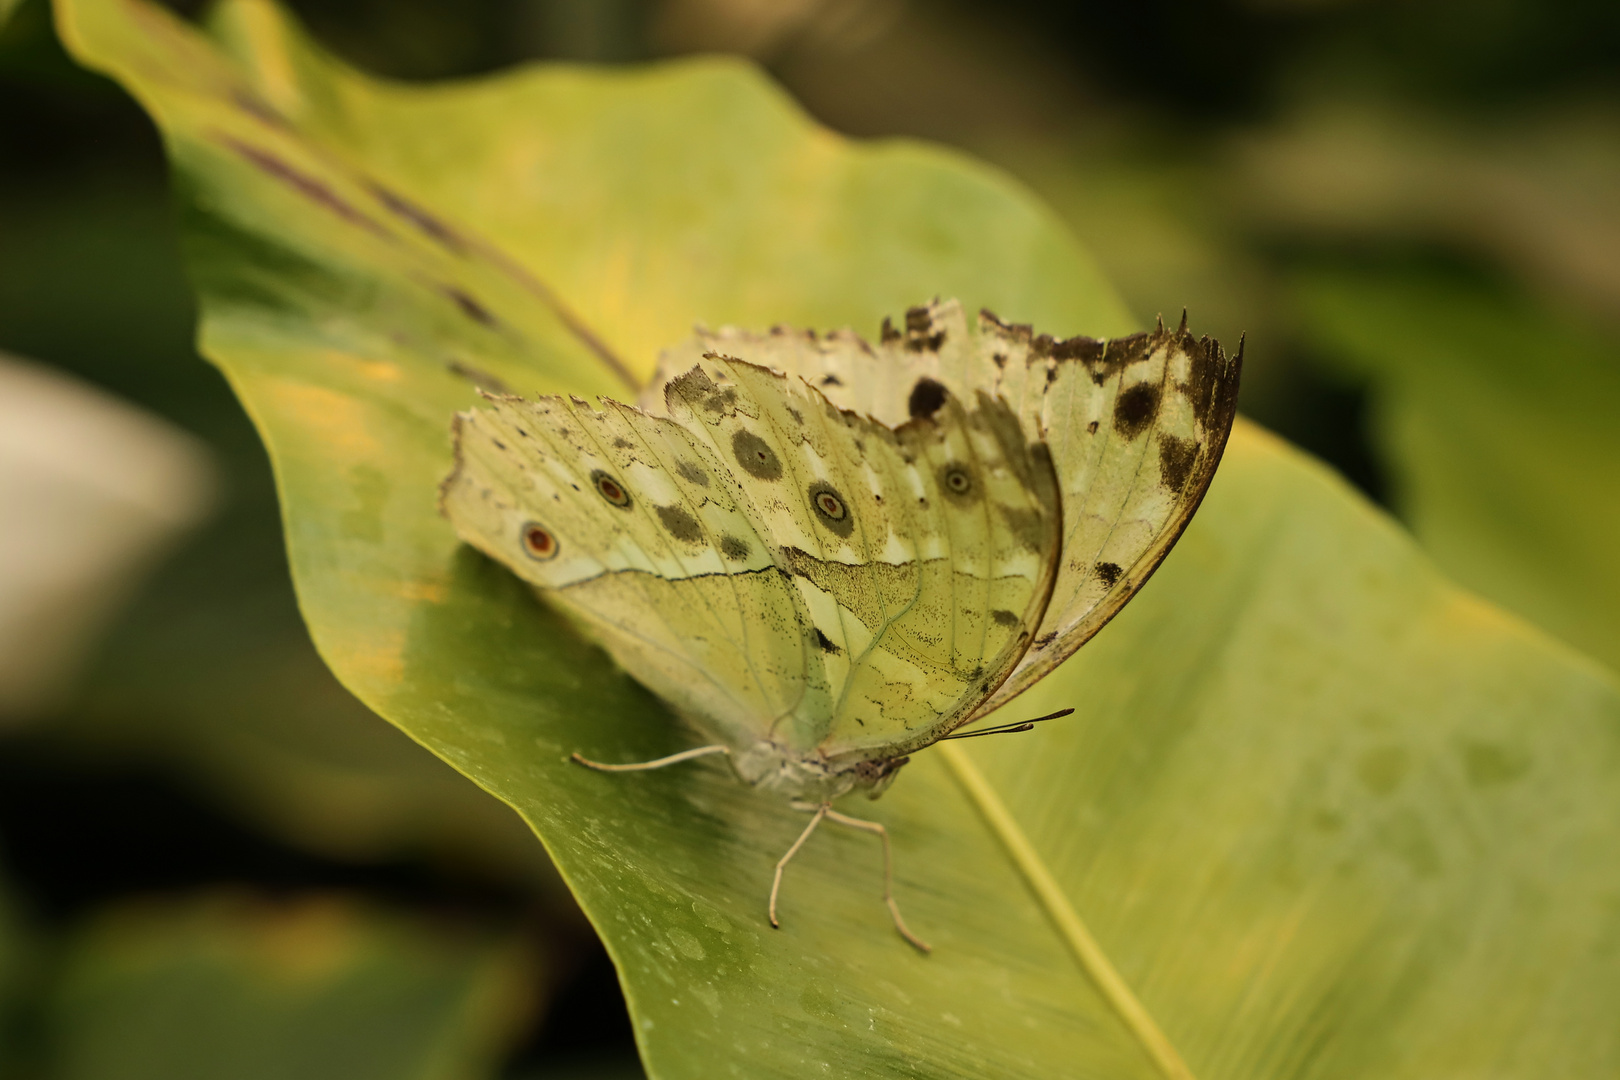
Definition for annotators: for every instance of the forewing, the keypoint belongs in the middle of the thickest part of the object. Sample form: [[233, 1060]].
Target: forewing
[[923, 554], [1136, 427]]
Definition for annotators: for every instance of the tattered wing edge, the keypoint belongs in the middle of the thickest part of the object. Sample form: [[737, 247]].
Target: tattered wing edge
[[1222, 414]]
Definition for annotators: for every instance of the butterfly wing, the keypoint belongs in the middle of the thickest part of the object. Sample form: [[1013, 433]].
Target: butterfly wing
[[1136, 427], [892, 381], [624, 521], [787, 574]]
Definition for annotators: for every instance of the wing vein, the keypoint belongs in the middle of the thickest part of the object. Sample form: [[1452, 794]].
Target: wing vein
[[647, 602], [1136, 477], [744, 646]]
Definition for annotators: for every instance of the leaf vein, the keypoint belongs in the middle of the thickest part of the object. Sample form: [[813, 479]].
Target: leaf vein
[[1090, 956]]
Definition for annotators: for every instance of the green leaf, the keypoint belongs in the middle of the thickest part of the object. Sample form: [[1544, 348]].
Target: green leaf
[[228, 986], [1326, 814], [1498, 419]]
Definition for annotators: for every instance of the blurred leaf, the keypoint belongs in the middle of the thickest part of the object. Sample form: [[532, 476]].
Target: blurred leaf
[[1536, 194], [1498, 417], [234, 987], [1154, 217], [1327, 813]]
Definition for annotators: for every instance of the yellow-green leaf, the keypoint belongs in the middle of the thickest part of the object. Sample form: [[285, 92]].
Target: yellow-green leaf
[[1324, 814]]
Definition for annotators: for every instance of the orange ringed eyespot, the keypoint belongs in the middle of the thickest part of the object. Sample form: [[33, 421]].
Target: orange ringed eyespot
[[538, 542]]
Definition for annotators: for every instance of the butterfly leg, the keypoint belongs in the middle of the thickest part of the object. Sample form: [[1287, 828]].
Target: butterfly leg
[[888, 871], [656, 763], [781, 864]]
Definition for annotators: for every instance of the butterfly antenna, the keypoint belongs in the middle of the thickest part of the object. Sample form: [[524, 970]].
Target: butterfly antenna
[[1008, 729]]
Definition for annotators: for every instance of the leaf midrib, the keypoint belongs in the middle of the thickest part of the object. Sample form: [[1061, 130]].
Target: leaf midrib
[[1065, 920]]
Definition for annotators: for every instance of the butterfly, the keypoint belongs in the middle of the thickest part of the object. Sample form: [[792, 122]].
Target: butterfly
[[828, 554]]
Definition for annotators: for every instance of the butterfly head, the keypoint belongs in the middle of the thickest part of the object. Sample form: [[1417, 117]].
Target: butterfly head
[[876, 776]]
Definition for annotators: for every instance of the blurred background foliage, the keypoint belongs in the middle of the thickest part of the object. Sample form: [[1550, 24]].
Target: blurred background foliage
[[1412, 209]]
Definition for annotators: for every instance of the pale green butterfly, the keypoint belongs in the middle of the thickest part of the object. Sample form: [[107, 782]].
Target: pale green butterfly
[[829, 554]]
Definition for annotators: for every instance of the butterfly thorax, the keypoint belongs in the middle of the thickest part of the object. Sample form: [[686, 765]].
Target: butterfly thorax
[[775, 769]]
